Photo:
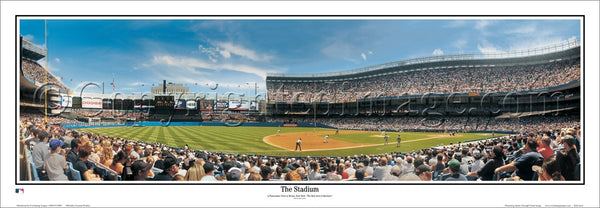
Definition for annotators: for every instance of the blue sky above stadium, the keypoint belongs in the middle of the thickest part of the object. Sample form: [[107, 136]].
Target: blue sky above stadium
[[234, 52]]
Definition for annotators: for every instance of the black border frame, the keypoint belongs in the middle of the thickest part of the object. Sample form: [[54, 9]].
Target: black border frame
[[17, 182]]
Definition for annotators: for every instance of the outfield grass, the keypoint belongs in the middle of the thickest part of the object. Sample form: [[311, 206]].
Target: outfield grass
[[248, 140]]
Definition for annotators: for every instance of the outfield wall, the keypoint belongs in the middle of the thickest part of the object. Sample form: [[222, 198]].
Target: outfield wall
[[157, 123]]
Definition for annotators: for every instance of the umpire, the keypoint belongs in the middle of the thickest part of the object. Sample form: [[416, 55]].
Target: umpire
[[298, 144]]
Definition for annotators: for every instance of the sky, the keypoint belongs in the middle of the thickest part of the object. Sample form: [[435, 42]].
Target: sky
[[237, 53]]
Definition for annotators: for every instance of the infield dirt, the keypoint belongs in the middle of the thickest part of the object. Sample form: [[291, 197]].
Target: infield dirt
[[313, 141]]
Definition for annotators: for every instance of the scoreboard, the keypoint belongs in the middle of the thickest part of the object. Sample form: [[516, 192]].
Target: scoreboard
[[164, 102]]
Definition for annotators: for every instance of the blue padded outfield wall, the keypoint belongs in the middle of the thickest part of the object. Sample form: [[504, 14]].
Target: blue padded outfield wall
[[157, 123], [263, 124]]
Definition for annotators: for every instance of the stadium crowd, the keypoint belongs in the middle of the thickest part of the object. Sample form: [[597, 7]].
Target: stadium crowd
[[523, 124], [436, 81], [63, 154], [35, 72]]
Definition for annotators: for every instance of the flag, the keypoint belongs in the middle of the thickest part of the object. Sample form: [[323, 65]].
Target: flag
[[113, 84]]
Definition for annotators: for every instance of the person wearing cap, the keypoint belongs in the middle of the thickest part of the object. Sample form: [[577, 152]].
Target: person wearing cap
[[234, 174], [141, 170], [454, 175], [424, 172], [169, 170], [55, 164]]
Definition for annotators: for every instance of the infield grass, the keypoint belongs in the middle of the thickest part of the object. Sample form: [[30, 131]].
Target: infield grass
[[249, 140]]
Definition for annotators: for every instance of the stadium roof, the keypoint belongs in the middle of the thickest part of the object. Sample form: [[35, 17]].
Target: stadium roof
[[32, 51]]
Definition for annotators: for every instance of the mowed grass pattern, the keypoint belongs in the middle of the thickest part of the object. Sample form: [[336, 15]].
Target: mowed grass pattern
[[249, 140]]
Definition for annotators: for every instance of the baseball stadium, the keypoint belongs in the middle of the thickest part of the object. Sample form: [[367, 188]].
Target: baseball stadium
[[506, 116]]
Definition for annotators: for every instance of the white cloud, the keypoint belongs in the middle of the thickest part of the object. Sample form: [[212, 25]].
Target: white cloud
[[191, 65], [455, 24], [57, 60], [225, 54], [459, 43], [525, 29], [488, 49], [438, 52], [137, 84], [340, 49], [239, 50], [364, 57], [28, 37], [482, 24], [370, 52]]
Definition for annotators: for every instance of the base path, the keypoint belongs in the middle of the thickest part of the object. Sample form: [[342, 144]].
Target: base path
[[313, 141]]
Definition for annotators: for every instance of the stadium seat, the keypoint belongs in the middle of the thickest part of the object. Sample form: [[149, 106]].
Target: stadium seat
[[75, 175], [34, 172]]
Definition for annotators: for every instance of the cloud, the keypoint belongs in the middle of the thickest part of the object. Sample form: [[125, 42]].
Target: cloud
[[455, 24], [438, 52], [191, 65], [57, 60], [488, 49], [28, 37], [210, 52], [525, 29], [370, 52], [482, 24], [225, 54], [364, 57], [137, 84], [342, 50], [230, 48], [459, 43]]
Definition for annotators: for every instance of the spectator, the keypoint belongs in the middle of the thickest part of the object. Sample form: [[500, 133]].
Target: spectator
[[72, 155], [360, 174], [118, 162], [170, 169], [55, 164], [424, 173], [382, 170], [550, 170], [314, 173], [292, 176], [40, 150], [454, 175], [255, 177], [234, 174], [523, 164], [544, 149], [196, 172], [486, 173], [569, 158], [86, 172], [394, 174], [265, 173], [209, 169], [141, 170]]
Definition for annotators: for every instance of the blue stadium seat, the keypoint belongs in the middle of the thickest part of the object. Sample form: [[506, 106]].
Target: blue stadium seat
[[75, 175], [34, 172]]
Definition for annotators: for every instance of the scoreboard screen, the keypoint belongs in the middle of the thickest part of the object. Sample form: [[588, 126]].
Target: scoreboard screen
[[76, 102], [164, 102]]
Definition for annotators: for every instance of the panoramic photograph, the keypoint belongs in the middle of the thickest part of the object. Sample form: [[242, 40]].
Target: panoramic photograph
[[320, 100]]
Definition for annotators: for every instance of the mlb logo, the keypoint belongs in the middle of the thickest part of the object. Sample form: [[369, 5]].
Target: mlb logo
[[21, 190]]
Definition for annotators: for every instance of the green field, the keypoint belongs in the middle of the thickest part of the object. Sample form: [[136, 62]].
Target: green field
[[248, 140]]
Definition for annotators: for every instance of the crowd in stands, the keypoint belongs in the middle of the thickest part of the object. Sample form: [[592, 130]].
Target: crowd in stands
[[37, 73], [436, 81], [57, 153], [523, 124]]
